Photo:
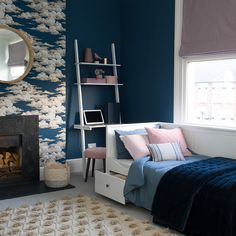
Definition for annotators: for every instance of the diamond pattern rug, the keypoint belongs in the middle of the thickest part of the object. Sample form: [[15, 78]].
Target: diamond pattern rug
[[81, 215]]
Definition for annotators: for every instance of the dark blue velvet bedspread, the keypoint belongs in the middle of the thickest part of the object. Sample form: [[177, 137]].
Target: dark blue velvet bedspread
[[144, 176], [198, 198]]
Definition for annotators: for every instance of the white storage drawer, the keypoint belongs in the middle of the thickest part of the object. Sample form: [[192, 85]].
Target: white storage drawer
[[110, 186]]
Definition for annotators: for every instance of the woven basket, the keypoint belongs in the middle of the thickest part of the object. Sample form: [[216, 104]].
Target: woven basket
[[56, 175]]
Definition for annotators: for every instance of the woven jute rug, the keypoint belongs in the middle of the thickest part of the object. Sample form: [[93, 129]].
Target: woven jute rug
[[81, 215]]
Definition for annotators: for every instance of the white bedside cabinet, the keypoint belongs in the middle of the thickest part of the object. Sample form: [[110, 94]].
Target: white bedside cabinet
[[110, 185]]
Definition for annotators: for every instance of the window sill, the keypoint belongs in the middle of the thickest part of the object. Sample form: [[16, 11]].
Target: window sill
[[210, 127]]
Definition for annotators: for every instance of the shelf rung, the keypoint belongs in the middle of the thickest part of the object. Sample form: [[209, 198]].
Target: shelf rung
[[88, 127], [99, 84], [97, 64]]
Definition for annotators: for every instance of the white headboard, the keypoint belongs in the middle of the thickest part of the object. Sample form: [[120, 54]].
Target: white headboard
[[112, 164], [203, 140], [110, 135]]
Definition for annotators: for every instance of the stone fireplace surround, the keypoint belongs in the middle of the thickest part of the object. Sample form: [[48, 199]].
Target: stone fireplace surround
[[26, 128], [23, 131]]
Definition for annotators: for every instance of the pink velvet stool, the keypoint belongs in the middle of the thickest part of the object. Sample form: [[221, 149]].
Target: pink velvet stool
[[95, 153]]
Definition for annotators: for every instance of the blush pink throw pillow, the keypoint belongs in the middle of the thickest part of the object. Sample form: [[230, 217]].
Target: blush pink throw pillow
[[136, 145], [168, 136]]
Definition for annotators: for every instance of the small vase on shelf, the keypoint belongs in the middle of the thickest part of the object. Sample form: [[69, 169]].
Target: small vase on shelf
[[88, 55]]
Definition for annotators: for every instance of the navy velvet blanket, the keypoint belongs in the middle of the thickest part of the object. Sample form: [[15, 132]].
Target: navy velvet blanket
[[198, 198]]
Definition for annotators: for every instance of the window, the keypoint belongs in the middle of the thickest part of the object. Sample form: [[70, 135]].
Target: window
[[210, 92], [204, 86]]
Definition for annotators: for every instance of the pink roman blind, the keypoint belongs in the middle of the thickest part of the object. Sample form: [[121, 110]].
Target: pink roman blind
[[209, 27]]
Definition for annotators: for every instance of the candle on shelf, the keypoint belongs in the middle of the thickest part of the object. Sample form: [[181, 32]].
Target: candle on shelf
[[105, 60]]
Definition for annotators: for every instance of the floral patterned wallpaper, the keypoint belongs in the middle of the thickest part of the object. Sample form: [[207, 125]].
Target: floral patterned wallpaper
[[42, 92]]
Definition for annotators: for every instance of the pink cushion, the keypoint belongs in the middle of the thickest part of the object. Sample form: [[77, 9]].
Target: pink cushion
[[95, 153], [168, 136], [136, 145]]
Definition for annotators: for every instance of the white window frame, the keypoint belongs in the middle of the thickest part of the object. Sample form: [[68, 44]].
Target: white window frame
[[180, 66]]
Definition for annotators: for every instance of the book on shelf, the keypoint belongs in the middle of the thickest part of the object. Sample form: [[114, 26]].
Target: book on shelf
[[93, 80]]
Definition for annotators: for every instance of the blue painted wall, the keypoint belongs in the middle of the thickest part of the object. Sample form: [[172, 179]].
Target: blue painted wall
[[147, 53], [144, 35], [95, 24]]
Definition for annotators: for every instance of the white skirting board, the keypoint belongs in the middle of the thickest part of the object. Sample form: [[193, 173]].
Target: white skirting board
[[76, 166]]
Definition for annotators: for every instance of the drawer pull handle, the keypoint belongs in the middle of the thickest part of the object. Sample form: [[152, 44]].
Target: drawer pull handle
[[107, 185]]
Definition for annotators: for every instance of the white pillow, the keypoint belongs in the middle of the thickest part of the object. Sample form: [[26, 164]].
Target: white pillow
[[166, 152]]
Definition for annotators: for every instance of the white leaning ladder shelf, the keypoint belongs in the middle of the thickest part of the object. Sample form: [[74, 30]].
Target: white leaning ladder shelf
[[82, 126]]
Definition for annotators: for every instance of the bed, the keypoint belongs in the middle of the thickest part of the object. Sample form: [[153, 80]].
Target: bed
[[142, 186], [194, 197], [144, 177], [197, 139]]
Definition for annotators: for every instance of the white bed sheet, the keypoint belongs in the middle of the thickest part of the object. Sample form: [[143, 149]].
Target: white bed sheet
[[125, 162], [120, 166]]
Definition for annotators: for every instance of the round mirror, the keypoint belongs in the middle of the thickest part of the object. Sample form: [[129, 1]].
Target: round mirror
[[16, 55]]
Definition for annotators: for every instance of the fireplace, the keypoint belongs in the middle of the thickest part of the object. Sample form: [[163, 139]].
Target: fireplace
[[10, 156], [19, 150]]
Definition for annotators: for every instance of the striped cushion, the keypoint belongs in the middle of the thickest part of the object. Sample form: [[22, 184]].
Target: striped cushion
[[166, 152]]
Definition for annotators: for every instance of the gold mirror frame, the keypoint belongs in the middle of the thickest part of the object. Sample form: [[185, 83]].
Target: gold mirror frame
[[31, 53]]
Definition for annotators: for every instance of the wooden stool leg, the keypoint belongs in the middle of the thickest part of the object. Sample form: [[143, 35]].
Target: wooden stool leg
[[87, 169], [104, 165], [93, 164]]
